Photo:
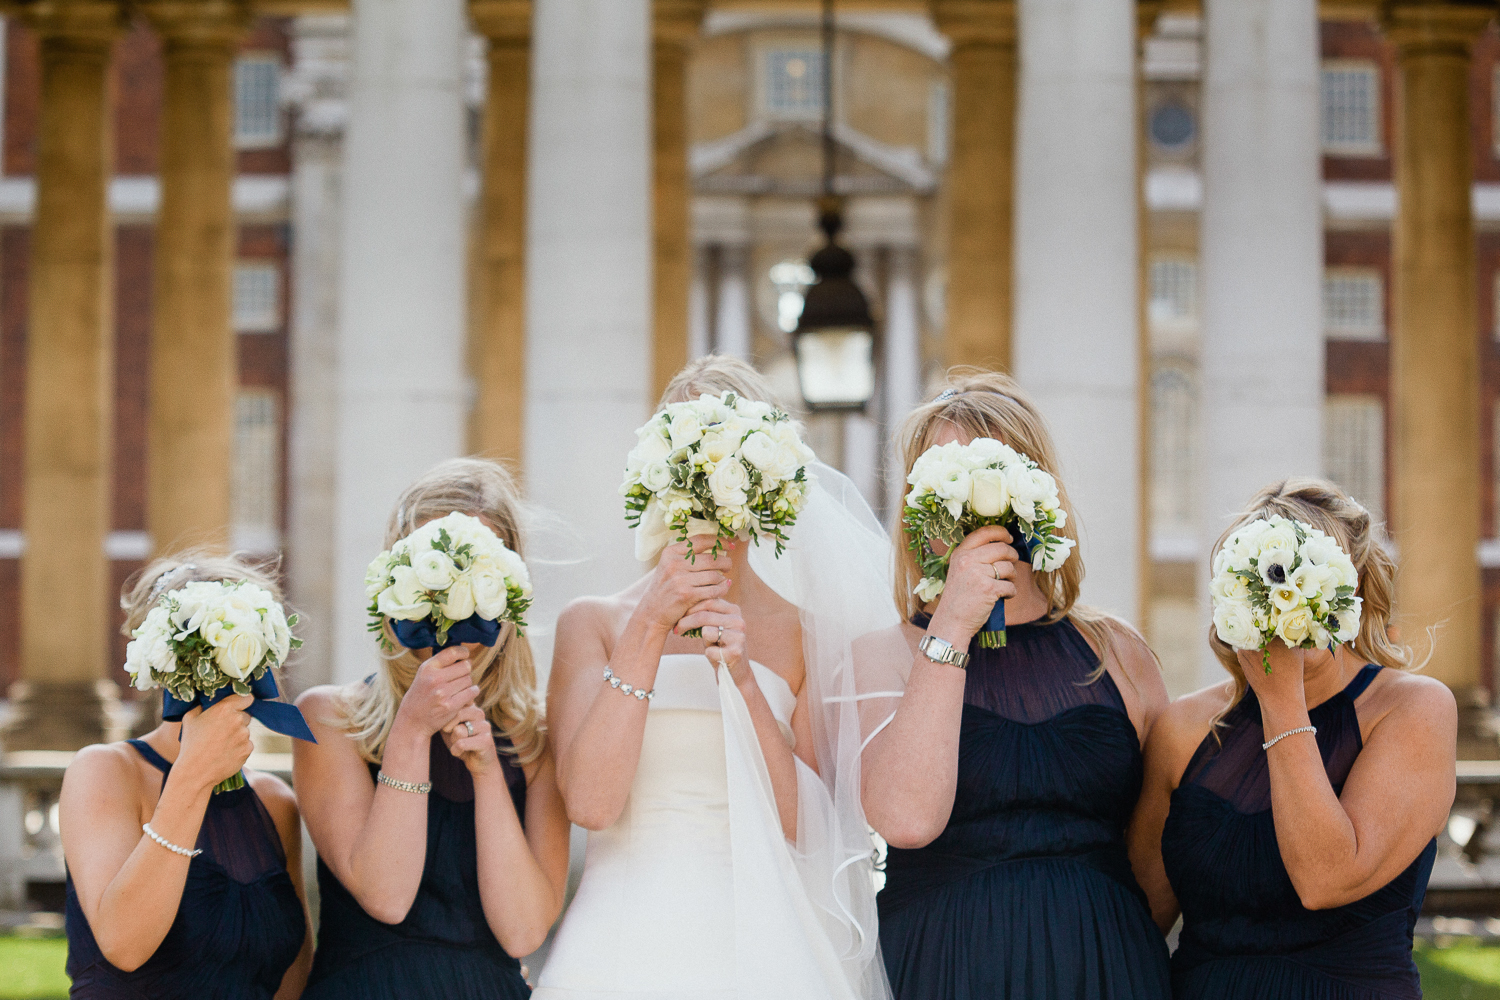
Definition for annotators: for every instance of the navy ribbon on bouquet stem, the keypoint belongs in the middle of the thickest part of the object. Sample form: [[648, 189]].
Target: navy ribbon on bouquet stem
[[993, 634], [277, 716], [423, 634]]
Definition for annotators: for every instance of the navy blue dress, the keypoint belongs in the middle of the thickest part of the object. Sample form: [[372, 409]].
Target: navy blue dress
[[239, 926], [444, 948], [1028, 892], [1245, 932]]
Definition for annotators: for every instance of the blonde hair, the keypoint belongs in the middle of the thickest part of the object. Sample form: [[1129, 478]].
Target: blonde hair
[[983, 403], [717, 374], [1323, 505], [506, 673]]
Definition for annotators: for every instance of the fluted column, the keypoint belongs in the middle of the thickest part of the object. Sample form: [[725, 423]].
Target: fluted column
[[62, 699], [980, 179], [193, 358], [1434, 346], [1261, 239], [674, 25], [498, 354], [732, 334]]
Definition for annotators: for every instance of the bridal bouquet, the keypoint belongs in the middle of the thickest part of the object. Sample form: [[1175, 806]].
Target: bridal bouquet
[[450, 581], [956, 488], [209, 639], [718, 465], [1282, 579]]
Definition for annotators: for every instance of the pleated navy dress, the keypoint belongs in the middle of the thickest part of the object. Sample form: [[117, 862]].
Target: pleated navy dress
[[1028, 892], [444, 948], [1245, 932], [239, 926]]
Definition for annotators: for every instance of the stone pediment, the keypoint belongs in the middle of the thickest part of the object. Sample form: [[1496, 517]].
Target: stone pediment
[[785, 158]]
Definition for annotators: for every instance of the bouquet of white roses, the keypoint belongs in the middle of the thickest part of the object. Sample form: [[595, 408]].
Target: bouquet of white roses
[[724, 466], [1282, 579], [210, 638], [450, 581], [956, 488]]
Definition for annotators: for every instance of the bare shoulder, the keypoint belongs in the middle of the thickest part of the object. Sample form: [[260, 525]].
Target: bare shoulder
[[275, 794], [1184, 724], [323, 705], [1417, 702], [103, 765], [1129, 649], [592, 617]]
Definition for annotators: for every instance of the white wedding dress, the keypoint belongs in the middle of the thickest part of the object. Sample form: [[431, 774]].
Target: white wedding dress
[[694, 893]]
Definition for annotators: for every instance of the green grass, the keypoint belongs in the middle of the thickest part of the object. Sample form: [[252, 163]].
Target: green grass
[[32, 968]]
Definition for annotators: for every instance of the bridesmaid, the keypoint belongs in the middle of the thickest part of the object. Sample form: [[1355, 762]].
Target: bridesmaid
[[212, 905], [394, 769], [1299, 868], [1004, 789]]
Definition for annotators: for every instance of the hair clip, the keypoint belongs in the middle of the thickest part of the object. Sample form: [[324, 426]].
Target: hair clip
[[161, 581], [946, 395]]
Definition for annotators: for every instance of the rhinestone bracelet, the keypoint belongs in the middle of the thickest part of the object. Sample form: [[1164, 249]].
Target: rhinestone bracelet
[[1290, 732], [163, 841], [415, 787], [640, 694]]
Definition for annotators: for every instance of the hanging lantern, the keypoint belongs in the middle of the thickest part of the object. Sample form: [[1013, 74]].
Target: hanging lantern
[[834, 341]]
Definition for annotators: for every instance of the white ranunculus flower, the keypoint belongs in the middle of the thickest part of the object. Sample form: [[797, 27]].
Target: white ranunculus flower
[[1025, 490], [378, 576], [1295, 626], [279, 632], [434, 570], [709, 409], [1229, 587], [686, 430], [988, 451], [656, 477], [928, 588], [652, 445], [987, 494], [458, 604], [728, 483], [1278, 535], [752, 409], [241, 653], [391, 607], [1235, 624], [950, 482], [760, 451], [716, 446], [490, 595]]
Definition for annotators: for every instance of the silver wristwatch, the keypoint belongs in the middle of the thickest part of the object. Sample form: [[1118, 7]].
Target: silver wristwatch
[[942, 651]]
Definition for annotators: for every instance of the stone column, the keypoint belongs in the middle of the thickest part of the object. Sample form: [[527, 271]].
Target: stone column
[[674, 25], [588, 280], [901, 368], [1076, 344], [732, 320], [1261, 247], [191, 430], [980, 179], [403, 395], [498, 353], [1434, 349], [62, 700]]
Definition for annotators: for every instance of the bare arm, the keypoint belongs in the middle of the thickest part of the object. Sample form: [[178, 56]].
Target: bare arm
[[129, 886], [282, 805], [522, 872], [1338, 849], [364, 831], [910, 768], [596, 730]]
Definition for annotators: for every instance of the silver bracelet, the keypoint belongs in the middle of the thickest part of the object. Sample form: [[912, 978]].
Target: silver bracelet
[[163, 841], [415, 787], [640, 694], [1290, 732]]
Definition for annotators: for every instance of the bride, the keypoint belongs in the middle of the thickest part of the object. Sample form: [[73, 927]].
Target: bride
[[728, 856]]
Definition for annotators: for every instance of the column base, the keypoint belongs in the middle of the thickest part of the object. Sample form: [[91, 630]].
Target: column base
[[63, 716]]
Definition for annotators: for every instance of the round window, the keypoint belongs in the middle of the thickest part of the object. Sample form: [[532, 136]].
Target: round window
[[1172, 126]]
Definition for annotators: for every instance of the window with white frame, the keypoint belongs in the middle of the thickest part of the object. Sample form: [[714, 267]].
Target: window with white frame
[[257, 101], [1174, 435], [255, 508], [792, 82], [257, 297], [1174, 290], [1354, 447], [1351, 108], [1353, 303]]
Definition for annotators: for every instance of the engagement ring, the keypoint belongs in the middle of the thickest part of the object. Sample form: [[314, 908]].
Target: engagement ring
[[469, 727]]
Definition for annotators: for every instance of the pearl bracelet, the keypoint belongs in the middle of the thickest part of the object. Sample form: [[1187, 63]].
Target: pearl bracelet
[[415, 787], [164, 842], [1290, 732], [640, 694]]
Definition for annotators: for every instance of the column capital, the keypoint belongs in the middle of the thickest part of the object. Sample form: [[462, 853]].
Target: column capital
[[199, 22], [976, 22], [502, 20], [97, 21], [676, 22], [1419, 24]]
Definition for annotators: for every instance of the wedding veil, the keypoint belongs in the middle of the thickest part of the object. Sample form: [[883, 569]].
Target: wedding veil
[[837, 570]]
